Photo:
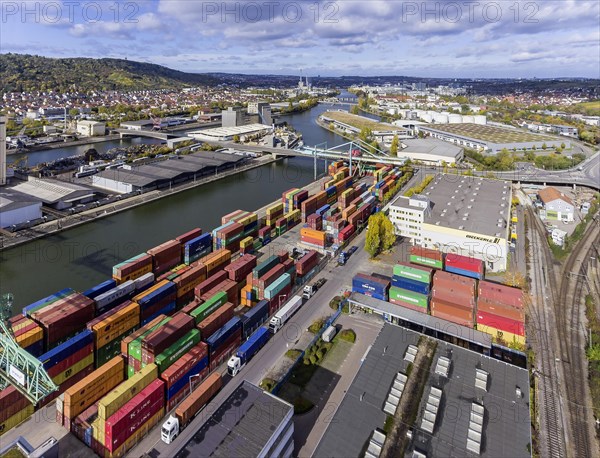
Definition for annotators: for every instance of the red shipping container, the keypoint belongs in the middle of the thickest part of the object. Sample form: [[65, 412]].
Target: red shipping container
[[456, 297], [185, 390], [240, 268], [501, 323], [408, 305], [162, 338], [65, 322], [229, 216], [131, 337], [216, 320], [11, 402], [279, 300], [264, 231], [450, 312], [190, 235], [501, 293], [464, 262], [210, 283], [189, 308], [500, 309], [272, 275], [128, 419], [133, 266], [228, 286], [180, 367], [165, 256], [71, 360], [307, 262], [312, 241], [225, 351], [192, 275]]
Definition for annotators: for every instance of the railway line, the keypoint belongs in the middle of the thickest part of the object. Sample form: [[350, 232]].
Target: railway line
[[559, 310]]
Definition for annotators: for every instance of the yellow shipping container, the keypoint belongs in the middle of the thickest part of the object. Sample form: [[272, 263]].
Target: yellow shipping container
[[110, 328], [149, 290], [74, 369], [98, 430], [248, 241], [502, 337], [133, 275], [87, 391], [216, 258], [308, 232], [30, 337], [274, 209], [16, 419], [113, 401], [248, 219]]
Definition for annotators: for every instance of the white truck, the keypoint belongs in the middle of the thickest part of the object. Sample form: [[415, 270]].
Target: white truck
[[308, 291], [284, 314]]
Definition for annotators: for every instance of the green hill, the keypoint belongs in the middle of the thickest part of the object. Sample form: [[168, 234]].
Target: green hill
[[23, 72]]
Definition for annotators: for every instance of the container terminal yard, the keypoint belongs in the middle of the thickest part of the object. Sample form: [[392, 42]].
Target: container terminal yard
[[139, 363]]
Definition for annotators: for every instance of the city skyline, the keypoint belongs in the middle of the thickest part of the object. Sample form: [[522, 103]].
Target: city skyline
[[426, 39]]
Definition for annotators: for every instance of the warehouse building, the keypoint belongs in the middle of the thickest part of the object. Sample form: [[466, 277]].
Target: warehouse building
[[490, 139], [226, 134], [59, 195], [460, 382], [458, 214], [557, 206], [17, 208], [250, 422], [90, 128], [431, 151], [164, 172]]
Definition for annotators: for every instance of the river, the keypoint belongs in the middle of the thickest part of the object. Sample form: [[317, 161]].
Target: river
[[82, 257]]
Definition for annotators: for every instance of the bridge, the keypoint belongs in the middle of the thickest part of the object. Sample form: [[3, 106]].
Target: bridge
[[146, 133], [339, 101]]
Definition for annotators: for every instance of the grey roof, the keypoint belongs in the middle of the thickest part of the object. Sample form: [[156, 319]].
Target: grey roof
[[133, 177], [422, 319], [50, 191], [241, 426], [506, 427], [431, 146], [350, 429], [12, 200]]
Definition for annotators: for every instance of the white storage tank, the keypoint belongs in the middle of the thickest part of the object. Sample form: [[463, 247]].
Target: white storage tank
[[468, 119], [480, 119], [440, 118], [426, 117], [455, 118]]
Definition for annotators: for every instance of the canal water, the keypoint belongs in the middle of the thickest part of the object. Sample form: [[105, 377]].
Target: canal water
[[82, 257]]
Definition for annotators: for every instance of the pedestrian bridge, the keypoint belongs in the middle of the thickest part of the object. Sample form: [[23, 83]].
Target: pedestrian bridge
[[146, 133]]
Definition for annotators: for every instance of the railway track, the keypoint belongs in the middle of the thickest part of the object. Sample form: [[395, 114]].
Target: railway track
[[542, 330], [562, 317]]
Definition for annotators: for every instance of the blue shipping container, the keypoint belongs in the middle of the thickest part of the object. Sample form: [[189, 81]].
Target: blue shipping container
[[103, 287], [39, 304], [185, 379], [196, 248], [256, 341], [36, 349], [411, 285], [362, 284], [66, 349], [220, 337], [254, 318], [322, 210], [157, 295], [380, 184], [367, 292], [330, 191], [166, 310], [463, 272]]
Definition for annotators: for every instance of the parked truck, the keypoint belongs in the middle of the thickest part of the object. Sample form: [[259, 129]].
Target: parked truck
[[284, 314], [190, 407], [247, 350]]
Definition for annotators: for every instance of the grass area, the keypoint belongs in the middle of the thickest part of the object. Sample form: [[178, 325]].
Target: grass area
[[267, 384], [593, 353], [348, 335], [316, 325], [389, 423], [359, 122], [293, 354], [14, 452], [418, 189]]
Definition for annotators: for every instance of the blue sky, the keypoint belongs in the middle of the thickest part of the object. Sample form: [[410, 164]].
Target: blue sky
[[417, 38]]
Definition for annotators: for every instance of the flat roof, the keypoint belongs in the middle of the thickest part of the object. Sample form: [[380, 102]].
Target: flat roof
[[472, 204], [12, 200], [241, 426], [358, 122], [423, 319], [431, 146], [230, 131], [354, 421], [506, 427], [50, 191], [487, 133]]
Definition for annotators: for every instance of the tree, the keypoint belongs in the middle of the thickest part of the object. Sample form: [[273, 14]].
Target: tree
[[394, 147], [544, 146], [354, 110], [387, 232], [73, 112], [373, 240], [364, 134], [236, 139], [562, 145]]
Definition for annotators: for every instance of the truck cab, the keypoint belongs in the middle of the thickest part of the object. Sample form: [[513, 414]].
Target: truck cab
[[169, 430], [309, 291], [342, 258], [234, 365], [275, 324]]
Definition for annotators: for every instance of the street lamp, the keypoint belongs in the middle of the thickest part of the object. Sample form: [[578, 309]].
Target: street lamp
[[191, 378]]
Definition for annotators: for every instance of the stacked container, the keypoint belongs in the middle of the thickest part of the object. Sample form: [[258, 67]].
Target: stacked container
[[158, 300], [308, 207], [216, 320], [164, 336], [247, 245], [168, 357], [500, 312], [101, 288], [201, 312], [426, 257], [254, 318], [111, 327], [187, 282], [131, 346], [229, 287], [228, 236], [223, 343], [411, 286], [264, 235], [453, 298], [186, 237], [28, 334], [240, 268], [216, 261], [273, 213], [14, 408], [345, 233], [208, 284], [464, 265], [371, 286], [197, 247], [165, 256], [120, 293], [132, 268], [306, 263], [313, 237]]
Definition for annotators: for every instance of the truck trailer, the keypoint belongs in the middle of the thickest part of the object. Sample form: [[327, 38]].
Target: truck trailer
[[247, 350], [284, 314]]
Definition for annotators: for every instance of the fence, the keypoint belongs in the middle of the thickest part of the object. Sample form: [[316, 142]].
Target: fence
[[317, 336]]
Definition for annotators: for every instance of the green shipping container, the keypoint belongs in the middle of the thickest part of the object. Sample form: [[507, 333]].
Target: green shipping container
[[426, 261], [210, 306], [265, 266], [404, 295], [177, 350], [110, 350], [412, 273], [134, 349]]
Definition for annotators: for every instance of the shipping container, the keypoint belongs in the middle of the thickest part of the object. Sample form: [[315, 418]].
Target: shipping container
[[178, 349], [371, 286], [307, 262], [426, 257], [115, 296], [408, 305], [190, 407], [100, 288], [500, 309], [263, 267], [403, 295], [501, 293], [239, 269], [197, 247], [255, 317], [216, 320], [11, 403], [210, 283], [132, 268], [208, 307], [109, 326], [466, 263], [166, 335], [420, 274], [501, 337], [450, 312], [46, 301], [53, 357], [501, 323], [411, 285], [16, 419]]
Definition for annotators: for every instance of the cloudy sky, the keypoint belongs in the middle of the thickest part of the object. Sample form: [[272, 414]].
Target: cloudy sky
[[370, 37]]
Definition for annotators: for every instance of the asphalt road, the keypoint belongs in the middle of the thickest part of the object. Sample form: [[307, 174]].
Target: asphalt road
[[338, 280]]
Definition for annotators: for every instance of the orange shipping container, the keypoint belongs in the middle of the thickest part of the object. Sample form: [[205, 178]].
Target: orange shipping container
[[115, 325], [198, 398], [93, 387], [313, 234]]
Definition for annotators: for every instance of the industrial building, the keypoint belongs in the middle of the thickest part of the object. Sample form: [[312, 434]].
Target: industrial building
[[142, 124], [490, 139], [56, 194], [557, 206], [17, 208], [163, 172], [232, 117], [250, 422], [226, 134], [353, 124], [263, 110], [458, 214], [90, 128], [459, 383], [431, 151]]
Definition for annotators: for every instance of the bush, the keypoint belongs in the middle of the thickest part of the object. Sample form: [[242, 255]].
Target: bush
[[348, 335], [267, 384], [335, 302], [320, 354], [313, 359], [293, 354], [306, 361], [317, 325], [302, 405], [389, 423]]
